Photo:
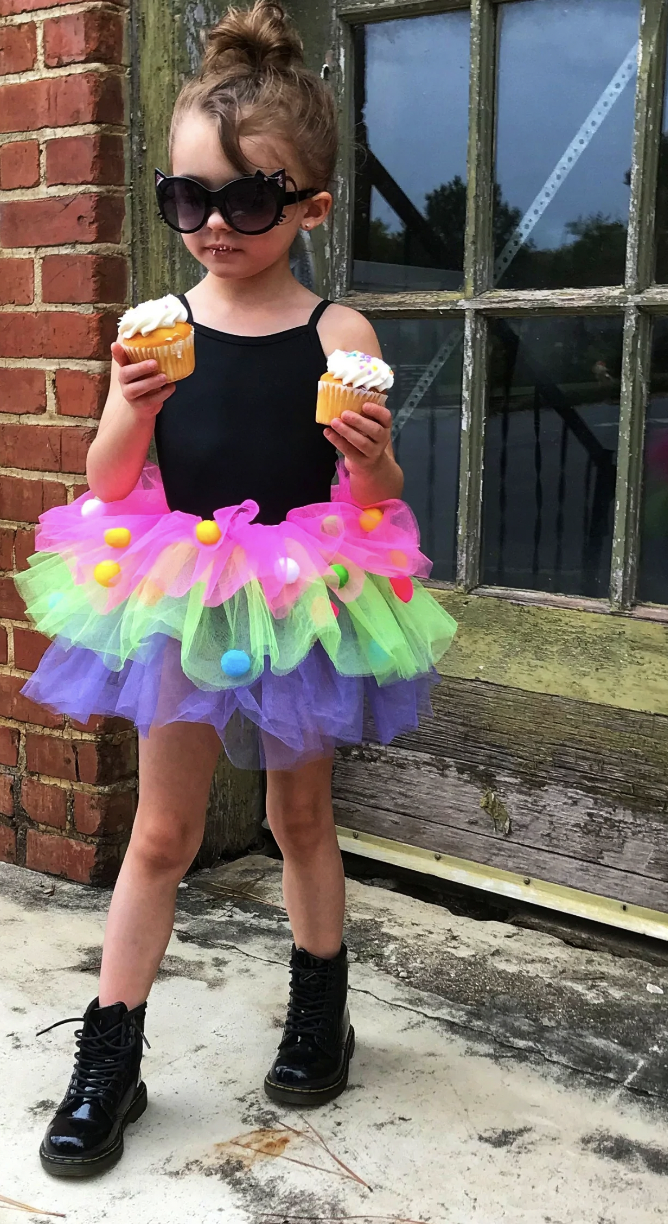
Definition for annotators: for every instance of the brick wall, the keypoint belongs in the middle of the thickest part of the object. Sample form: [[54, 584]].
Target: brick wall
[[66, 791]]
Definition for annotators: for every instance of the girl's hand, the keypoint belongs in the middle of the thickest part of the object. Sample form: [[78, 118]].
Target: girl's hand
[[362, 437], [143, 387]]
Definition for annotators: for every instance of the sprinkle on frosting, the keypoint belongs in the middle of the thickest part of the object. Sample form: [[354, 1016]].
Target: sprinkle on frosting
[[147, 316], [355, 369]]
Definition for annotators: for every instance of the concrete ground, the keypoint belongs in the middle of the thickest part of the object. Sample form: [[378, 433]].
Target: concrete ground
[[501, 1075]]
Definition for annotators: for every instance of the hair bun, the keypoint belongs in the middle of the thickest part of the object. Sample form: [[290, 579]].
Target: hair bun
[[254, 39]]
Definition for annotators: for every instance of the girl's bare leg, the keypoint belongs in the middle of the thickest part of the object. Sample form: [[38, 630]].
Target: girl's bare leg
[[176, 764], [299, 811]]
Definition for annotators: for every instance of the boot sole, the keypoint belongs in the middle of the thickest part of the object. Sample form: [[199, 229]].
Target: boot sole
[[314, 1096], [74, 1166]]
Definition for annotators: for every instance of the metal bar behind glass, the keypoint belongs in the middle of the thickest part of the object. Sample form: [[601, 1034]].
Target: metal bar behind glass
[[474, 391]]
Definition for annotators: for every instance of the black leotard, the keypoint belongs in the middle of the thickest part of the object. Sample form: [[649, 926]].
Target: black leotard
[[243, 424]]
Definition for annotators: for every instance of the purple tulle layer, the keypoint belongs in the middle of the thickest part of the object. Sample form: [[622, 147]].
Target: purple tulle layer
[[278, 722]]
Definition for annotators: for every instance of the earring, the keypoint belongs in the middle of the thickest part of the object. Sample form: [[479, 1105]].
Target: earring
[[281, 219]]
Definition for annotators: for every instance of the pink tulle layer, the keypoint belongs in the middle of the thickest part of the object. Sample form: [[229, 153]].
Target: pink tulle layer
[[164, 548]]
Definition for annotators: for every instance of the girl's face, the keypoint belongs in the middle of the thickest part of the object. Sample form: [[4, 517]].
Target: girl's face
[[197, 154]]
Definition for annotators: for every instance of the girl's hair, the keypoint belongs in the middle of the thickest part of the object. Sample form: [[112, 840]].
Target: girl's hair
[[254, 82]]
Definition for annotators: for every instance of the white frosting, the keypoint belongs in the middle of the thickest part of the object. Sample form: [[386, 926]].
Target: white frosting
[[148, 316], [357, 369]]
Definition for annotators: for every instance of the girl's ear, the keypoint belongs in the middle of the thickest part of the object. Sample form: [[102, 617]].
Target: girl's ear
[[316, 210]]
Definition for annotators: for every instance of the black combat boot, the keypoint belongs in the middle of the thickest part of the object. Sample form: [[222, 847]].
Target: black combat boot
[[105, 1093], [311, 1066]]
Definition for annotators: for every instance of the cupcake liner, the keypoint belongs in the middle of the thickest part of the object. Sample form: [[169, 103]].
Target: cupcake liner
[[176, 359], [335, 398]]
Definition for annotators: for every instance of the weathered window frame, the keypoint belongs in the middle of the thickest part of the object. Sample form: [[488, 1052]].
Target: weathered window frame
[[637, 300]]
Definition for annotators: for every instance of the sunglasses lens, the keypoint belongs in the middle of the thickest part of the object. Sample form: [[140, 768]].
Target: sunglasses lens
[[253, 204], [183, 204]]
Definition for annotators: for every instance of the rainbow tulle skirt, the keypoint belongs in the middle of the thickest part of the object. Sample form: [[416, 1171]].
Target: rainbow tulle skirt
[[288, 639]]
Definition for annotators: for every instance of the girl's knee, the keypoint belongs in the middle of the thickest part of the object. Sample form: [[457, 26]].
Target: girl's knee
[[300, 825], [164, 849]]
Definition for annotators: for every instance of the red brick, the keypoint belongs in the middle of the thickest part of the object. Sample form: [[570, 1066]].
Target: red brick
[[9, 745], [11, 604], [18, 48], [91, 36], [82, 218], [7, 535], [61, 856], [102, 723], [46, 754], [19, 164], [3, 645], [44, 803], [56, 333], [83, 278], [23, 500], [104, 762], [14, 705], [29, 647], [58, 101], [25, 547], [46, 448], [6, 795], [7, 845], [104, 814], [97, 160], [17, 281], [22, 390], [9, 8], [79, 394]]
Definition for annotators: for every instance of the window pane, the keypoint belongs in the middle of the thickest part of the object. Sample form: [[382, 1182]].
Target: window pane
[[662, 201], [653, 576], [550, 453], [411, 117], [427, 444], [566, 79]]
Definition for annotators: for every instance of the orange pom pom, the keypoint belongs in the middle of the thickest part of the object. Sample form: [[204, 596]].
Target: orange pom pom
[[369, 519], [398, 558]]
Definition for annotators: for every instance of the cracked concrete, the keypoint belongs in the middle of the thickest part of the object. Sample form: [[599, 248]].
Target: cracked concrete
[[501, 1075]]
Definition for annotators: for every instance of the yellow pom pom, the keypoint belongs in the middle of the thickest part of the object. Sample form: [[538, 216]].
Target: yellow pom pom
[[149, 593], [370, 518], [106, 573], [117, 537], [208, 532]]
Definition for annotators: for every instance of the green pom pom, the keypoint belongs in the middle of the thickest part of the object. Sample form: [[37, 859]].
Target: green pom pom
[[341, 573]]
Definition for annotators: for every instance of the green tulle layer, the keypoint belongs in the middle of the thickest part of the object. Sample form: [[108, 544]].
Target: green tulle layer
[[375, 634]]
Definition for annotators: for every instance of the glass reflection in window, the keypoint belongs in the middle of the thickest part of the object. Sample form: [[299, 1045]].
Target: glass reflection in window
[[427, 445], [550, 453], [411, 126], [653, 573], [562, 62]]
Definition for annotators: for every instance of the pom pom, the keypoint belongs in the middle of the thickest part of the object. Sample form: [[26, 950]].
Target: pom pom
[[53, 600], [92, 507], [403, 589], [378, 657], [332, 525], [117, 537], [334, 608], [208, 531], [235, 663], [398, 558], [106, 573], [287, 570], [341, 573], [369, 519]]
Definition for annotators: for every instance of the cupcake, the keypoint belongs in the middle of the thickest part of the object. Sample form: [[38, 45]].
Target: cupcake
[[160, 331], [352, 379]]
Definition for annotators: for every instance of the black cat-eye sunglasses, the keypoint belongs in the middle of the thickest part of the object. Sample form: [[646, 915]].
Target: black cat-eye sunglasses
[[250, 205]]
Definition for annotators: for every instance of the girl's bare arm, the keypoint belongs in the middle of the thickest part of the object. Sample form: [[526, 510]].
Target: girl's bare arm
[[364, 439], [117, 456]]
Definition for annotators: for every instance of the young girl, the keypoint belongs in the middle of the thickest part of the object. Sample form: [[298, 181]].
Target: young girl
[[294, 625]]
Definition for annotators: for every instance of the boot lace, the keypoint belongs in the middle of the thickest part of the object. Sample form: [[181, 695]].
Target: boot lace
[[307, 1003], [100, 1057]]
